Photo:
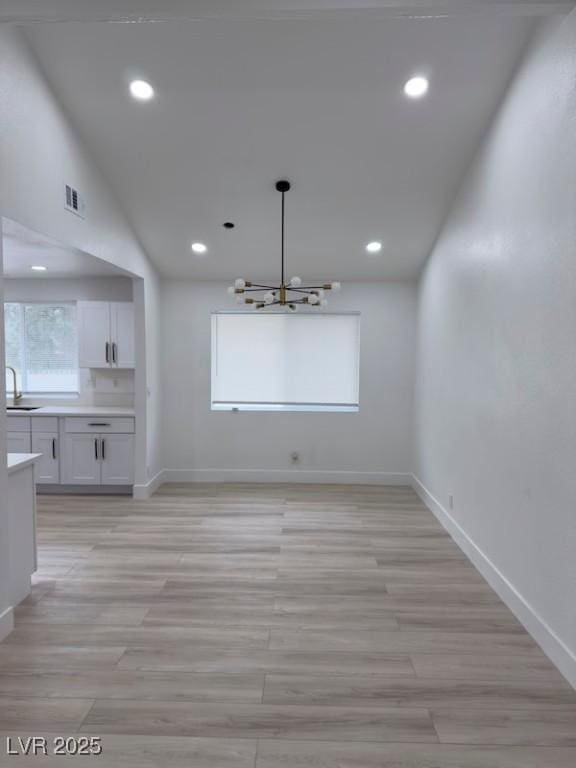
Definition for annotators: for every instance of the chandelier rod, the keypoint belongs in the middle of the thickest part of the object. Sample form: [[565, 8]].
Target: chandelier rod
[[282, 280]]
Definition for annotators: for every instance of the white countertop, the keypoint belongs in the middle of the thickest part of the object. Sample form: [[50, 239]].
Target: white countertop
[[75, 410], [18, 461]]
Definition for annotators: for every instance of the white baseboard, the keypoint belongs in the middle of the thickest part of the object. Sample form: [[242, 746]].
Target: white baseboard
[[552, 645], [6, 622], [284, 476], [146, 490]]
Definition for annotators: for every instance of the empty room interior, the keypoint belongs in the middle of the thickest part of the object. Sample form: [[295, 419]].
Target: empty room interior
[[288, 451]]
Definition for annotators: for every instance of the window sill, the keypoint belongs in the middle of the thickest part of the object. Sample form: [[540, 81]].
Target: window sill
[[31, 398], [286, 407]]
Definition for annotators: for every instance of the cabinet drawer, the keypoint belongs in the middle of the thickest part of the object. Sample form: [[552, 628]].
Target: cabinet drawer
[[44, 424], [18, 423], [99, 424]]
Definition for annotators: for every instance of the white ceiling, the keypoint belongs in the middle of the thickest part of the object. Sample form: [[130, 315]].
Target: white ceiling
[[241, 103], [153, 10], [23, 248]]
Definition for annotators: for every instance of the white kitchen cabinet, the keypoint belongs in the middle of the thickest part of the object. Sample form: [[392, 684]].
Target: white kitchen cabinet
[[81, 459], [48, 466], [117, 459], [122, 334], [98, 459], [18, 442], [19, 501], [106, 334], [94, 334], [76, 450]]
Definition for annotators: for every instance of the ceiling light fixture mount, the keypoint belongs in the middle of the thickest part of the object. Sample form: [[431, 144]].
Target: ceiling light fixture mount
[[282, 295]]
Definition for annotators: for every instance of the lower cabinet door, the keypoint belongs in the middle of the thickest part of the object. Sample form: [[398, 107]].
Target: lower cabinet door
[[47, 470], [81, 462], [18, 442], [117, 459]]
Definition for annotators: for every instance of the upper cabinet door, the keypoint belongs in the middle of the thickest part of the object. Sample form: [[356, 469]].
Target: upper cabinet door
[[95, 345], [122, 334]]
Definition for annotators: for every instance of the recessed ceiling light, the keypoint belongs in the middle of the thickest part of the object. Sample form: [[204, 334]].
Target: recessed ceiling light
[[199, 247], [38, 268], [141, 90], [374, 247], [416, 87]]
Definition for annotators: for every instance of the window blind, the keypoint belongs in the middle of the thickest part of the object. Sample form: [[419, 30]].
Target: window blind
[[278, 361], [42, 345]]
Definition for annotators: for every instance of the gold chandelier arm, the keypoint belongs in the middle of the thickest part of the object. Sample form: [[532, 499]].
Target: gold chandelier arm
[[326, 287], [260, 289], [301, 301]]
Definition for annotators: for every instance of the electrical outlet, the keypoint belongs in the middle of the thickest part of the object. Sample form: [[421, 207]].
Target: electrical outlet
[[451, 500], [295, 457]]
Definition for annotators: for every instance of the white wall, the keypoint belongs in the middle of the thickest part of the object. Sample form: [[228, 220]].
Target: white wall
[[373, 445], [496, 384], [68, 289], [39, 153]]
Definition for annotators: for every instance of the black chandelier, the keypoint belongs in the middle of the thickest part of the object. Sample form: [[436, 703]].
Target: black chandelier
[[289, 294]]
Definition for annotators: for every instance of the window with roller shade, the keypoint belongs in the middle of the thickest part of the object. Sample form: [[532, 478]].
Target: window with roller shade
[[42, 346], [285, 362]]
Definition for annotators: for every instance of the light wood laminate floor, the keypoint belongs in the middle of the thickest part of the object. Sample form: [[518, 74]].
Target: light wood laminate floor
[[245, 626]]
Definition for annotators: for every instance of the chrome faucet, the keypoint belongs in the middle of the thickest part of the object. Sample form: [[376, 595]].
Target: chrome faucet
[[16, 395]]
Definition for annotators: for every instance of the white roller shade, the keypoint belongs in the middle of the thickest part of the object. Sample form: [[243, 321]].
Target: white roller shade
[[280, 361], [42, 346]]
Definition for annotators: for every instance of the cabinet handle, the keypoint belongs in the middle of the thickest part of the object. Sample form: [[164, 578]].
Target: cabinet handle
[[114, 352], [103, 449], [107, 351], [53, 447], [98, 424], [96, 448]]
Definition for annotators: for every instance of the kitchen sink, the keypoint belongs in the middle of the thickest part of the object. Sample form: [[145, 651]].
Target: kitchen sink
[[23, 407]]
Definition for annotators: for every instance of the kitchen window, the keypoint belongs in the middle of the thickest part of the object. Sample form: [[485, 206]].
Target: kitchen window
[[276, 361], [42, 347]]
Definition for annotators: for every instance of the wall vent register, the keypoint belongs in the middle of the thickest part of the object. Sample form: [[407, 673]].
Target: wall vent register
[[74, 202]]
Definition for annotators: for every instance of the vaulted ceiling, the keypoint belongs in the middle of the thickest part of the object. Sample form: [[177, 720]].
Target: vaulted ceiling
[[241, 102]]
